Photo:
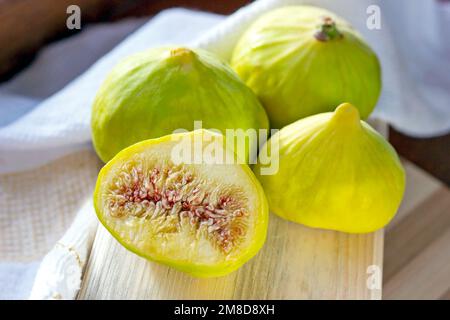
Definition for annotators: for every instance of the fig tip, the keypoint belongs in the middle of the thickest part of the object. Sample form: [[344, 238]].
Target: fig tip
[[185, 55], [346, 112]]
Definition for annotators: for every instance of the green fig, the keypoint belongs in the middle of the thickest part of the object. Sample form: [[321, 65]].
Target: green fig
[[304, 60], [153, 93], [200, 215], [335, 172]]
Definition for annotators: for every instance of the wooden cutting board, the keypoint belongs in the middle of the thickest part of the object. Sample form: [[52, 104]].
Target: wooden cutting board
[[295, 263]]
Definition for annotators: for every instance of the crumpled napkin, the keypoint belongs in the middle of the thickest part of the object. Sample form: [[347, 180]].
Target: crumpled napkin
[[59, 275]]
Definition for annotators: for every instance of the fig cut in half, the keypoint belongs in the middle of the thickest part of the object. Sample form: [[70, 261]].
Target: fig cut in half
[[206, 218]]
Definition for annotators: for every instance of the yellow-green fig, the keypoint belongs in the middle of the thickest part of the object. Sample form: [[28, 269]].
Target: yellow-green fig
[[153, 93], [304, 60], [174, 200], [335, 172]]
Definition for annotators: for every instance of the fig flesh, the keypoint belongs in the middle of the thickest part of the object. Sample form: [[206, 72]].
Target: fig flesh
[[304, 60], [335, 172], [153, 93], [206, 217]]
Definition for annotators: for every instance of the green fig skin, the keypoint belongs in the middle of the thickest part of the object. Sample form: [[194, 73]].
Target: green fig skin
[[304, 60], [152, 93], [335, 172]]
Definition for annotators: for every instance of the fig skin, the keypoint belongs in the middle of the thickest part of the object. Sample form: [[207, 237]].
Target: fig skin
[[195, 268], [155, 92], [297, 69], [335, 172]]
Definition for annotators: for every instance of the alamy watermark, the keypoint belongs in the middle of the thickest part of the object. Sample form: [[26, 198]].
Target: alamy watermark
[[73, 21], [373, 21], [374, 279], [234, 146]]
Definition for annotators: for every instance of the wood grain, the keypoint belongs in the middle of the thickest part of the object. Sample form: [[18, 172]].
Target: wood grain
[[295, 263], [425, 223], [417, 244], [426, 276]]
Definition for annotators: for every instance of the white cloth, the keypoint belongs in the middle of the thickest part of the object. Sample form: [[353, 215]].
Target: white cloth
[[415, 97]]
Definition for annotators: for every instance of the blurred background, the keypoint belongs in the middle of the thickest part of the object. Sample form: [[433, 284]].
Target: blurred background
[[416, 247]]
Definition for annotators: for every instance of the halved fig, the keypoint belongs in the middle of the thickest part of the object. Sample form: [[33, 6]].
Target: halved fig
[[201, 215]]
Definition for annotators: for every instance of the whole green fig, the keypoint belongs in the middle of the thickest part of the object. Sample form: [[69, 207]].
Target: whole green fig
[[152, 93], [304, 60], [335, 172]]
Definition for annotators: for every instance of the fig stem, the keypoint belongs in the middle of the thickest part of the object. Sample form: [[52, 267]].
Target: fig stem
[[328, 30]]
